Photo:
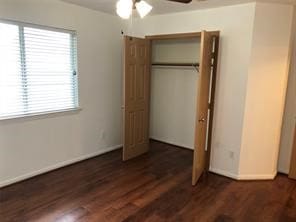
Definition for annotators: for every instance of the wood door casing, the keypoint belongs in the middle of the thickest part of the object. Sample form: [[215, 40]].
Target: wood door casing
[[292, 173], [136, 96], [202, 114]]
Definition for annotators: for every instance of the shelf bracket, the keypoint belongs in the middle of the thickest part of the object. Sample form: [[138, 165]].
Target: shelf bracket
[[196, 68]]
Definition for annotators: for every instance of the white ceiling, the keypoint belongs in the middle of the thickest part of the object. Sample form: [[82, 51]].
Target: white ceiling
[[164, 7]]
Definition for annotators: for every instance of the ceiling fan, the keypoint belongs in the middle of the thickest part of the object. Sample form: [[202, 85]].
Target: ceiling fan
[[124, 8]]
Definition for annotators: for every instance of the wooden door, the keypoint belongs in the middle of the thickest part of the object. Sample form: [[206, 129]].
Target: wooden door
[[203, 94], [136, 96], [292, 173]]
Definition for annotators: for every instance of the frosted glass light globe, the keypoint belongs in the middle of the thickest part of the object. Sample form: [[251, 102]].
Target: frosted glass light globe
[[124, 8]]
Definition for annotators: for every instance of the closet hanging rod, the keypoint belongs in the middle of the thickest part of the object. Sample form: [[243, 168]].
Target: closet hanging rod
[[175, 64]]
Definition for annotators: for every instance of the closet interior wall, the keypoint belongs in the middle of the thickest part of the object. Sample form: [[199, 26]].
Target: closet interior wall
[[174, 90]]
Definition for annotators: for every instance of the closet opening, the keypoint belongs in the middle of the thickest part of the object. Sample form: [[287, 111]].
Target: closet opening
[[169, 88], [173, 90]]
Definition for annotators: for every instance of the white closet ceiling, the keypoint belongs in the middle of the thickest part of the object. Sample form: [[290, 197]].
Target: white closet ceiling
[[164, 7]]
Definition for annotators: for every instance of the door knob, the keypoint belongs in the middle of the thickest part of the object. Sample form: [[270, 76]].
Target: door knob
[[202, 120]]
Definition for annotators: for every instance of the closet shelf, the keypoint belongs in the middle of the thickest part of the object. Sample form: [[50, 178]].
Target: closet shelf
[[175, 64]]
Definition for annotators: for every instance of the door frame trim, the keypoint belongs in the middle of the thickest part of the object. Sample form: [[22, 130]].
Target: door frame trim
[[188, 35]]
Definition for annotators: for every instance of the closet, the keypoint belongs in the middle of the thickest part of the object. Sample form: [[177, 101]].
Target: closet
[[173, 89], [168, 93]]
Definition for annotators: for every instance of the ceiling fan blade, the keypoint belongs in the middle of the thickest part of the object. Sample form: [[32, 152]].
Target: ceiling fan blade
[[181, 1]]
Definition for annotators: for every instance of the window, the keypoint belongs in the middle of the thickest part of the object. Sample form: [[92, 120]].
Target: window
[[37, 70]]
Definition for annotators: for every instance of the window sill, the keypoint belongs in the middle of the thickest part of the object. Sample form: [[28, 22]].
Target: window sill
[[42, 115]]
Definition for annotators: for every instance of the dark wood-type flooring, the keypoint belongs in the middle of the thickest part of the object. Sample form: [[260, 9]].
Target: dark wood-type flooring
[[154, 187]]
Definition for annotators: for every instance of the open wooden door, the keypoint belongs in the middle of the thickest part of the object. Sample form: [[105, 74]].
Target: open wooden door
[[292, 173], [206, 70], [136, 96]]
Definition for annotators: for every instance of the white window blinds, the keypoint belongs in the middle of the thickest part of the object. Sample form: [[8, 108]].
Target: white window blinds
[[37, 70]]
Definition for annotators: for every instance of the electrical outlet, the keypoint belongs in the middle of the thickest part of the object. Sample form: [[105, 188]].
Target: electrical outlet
[[231, 154]]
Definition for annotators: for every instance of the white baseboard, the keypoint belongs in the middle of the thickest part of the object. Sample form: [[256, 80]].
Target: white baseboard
[[108, 149], [244, 177], [257, 176], [57, 166], [172, 143]]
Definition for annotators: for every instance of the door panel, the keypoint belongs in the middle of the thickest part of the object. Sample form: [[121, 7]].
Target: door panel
[[199, 158], [136, 96], [292, 173]]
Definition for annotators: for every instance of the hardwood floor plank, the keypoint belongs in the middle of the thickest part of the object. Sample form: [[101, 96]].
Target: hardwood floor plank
[[73, 215], [155, 187]]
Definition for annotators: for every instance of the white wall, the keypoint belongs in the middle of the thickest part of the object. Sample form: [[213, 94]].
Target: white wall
[[33, 145], [236, 26], [266, 90], [173, 92], [289, 115], [252, 79]]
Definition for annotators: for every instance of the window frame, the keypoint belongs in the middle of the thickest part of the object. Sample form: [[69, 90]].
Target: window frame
[[74, 59]]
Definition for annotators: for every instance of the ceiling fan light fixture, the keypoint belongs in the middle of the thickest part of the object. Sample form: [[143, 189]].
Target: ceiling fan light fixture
[[124, 8], [143, 8]]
